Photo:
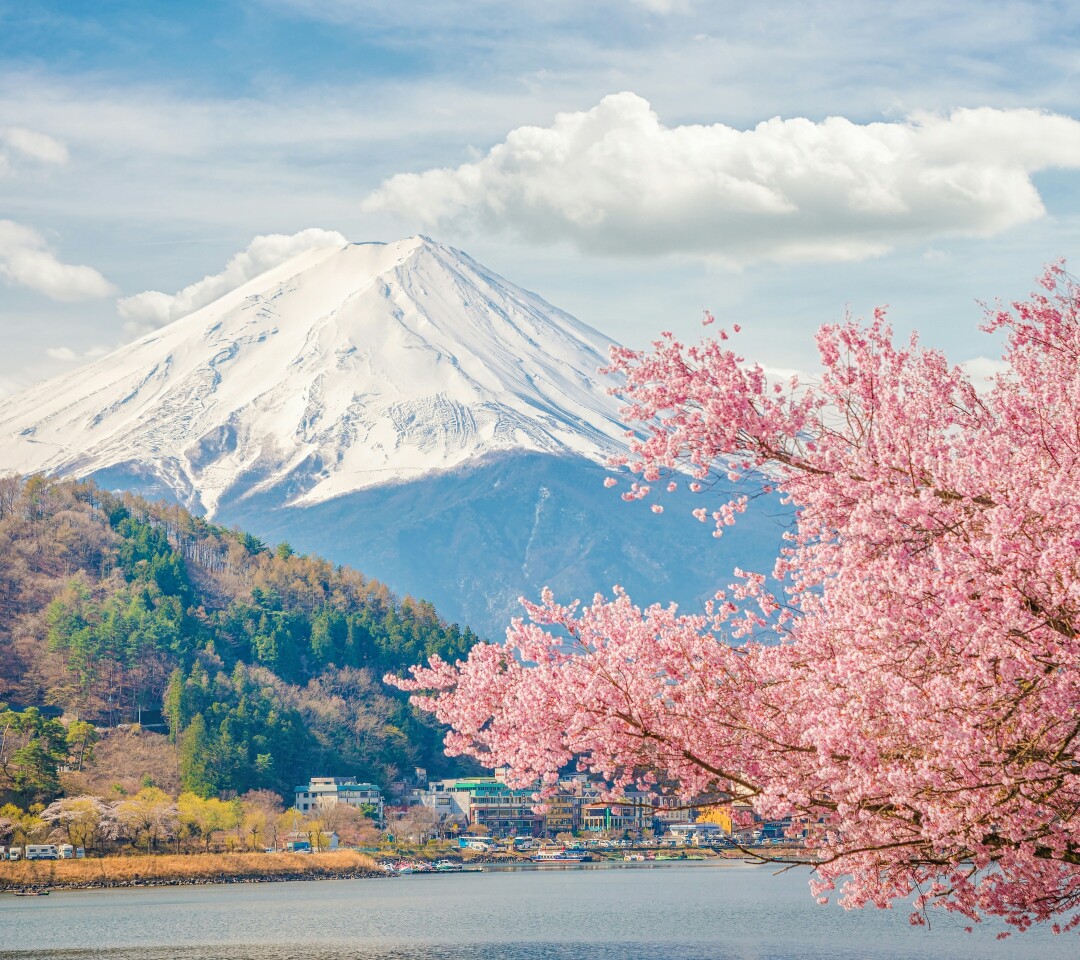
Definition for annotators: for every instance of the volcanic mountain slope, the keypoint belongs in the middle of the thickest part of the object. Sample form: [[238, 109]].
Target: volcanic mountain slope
[[342, 369], [395, 406]]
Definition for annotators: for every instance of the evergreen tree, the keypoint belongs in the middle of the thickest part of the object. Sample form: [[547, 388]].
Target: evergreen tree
[[174, 704], [195, 759]]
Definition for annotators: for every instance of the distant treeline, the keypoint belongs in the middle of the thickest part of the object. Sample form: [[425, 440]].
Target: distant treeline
[[265, 663]]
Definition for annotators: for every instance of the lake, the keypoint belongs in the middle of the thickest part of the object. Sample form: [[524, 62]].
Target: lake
[[699, 911]]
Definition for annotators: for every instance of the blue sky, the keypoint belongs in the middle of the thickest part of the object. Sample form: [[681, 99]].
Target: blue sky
[[620, 158]]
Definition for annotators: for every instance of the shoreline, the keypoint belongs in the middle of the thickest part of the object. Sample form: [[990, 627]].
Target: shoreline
[[180, 870], [154, 882], [173, 870]]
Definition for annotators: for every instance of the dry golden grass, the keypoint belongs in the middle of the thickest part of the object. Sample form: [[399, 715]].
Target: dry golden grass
[[191, 868]]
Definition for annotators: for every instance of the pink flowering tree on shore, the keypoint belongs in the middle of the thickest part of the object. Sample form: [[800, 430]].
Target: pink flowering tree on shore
[[910, 692]]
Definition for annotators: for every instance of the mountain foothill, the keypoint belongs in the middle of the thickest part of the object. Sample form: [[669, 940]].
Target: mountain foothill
[[250, 666]]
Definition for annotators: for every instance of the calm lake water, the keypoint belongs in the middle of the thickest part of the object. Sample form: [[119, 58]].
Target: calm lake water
[[709, 911]]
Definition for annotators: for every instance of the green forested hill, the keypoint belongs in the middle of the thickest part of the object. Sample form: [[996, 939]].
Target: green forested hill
[[267, 664]]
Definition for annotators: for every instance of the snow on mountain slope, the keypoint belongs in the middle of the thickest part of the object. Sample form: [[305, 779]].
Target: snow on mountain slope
[[345, 368]]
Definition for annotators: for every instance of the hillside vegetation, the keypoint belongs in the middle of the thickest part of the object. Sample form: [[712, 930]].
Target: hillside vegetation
[[266, 663]]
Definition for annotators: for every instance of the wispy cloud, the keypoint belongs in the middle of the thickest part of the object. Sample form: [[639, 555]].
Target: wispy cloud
[[615, 180], [67, 355], [21, 145], [152, 308], [663, 7], [27, 260], [35, 145], [8, 386]]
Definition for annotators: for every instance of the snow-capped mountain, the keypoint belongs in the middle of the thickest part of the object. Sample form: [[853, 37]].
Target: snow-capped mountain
[[396, 407], [342, 369]]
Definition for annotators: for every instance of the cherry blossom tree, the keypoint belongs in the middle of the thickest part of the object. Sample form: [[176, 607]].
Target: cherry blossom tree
[[906, 686]]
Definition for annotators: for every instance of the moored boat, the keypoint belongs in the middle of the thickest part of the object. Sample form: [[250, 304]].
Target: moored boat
[[560, 856]]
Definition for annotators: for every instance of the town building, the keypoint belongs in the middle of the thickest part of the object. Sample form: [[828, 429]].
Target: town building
[[630, 817], [322, 792], [484, 802]]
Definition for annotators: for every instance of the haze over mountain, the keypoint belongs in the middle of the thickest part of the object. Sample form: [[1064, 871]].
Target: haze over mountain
[[393, 406]]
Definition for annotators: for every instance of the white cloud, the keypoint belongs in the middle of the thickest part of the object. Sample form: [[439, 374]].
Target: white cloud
[[21, 144], [663, 6], [152, 308], [26, 260], [67, 355], [615, 180], [983, 370], [38, 146]]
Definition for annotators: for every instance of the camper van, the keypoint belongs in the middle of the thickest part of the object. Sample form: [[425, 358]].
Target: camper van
[[42, 851]]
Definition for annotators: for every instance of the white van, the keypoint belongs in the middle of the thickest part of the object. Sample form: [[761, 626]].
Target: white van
[[42, 851]]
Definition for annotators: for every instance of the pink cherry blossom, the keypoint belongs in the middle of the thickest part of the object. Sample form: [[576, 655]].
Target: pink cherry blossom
[[906, 687]]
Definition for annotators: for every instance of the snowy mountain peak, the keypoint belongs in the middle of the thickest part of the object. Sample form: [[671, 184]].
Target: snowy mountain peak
[[342, 369]]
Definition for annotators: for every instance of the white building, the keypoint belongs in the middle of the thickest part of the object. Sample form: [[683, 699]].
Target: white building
[[321, 792]]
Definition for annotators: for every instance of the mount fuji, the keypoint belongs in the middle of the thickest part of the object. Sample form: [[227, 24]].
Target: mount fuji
[[397, 407]]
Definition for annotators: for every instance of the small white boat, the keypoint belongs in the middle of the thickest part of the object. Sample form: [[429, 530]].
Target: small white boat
[[560, 856]]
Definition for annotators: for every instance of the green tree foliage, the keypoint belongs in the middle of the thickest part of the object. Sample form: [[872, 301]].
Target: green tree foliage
[[81, 737], [265, 663], [196, 760], [32, 748]]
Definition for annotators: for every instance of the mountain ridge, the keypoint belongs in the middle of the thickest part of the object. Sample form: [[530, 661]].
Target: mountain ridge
[[344, 368]]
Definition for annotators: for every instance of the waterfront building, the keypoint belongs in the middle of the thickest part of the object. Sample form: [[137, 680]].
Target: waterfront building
[[668, 809], [577, 807], [483, 802], [631, 817], [561, 815], [322, 792]]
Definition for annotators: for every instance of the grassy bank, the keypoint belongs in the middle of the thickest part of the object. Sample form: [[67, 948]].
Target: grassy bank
[[194, 868]]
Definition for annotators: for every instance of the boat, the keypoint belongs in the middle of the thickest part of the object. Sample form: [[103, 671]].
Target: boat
[[31, 893], [447, 866], [560, 856]]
